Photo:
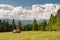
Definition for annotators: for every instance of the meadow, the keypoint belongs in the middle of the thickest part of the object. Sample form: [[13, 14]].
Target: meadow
[[30, 35]]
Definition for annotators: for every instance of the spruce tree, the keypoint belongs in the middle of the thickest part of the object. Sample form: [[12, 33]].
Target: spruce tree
[[19, 25], [8, 26], [44, 25], [54, 22], [35, 25], [50, 23], [0, 25], [39, 26], [4, 26], [13, 25]]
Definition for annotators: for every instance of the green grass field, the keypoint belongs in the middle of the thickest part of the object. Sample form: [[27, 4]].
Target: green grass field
[[30, 35]]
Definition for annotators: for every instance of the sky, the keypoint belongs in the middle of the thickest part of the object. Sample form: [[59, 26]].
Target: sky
[[28, 9], [28, 2]]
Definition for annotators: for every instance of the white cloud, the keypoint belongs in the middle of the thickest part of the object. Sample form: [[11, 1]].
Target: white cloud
[[37, 11]]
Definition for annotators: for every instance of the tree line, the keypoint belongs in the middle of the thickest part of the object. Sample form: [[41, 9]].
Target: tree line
[[6, 27], [52, 25]]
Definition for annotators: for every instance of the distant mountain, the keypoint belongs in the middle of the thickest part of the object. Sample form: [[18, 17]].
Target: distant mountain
[[25, 21]]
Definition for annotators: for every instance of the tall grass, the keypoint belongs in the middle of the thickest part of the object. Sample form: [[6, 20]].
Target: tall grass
[[30, 35]]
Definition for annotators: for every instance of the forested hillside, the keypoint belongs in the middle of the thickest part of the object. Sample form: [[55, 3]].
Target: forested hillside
[[54, 22]]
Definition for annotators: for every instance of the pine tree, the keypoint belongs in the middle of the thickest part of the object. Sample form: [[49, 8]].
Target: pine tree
[[0, 25], [51, 22], [13, 25], [57, 18], [44, 25], [39, 26], [8, 26], [54, 22], [19, 25], [35, 25], [4, 26]]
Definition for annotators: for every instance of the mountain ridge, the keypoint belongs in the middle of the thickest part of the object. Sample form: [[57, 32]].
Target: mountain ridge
[[25, 21]]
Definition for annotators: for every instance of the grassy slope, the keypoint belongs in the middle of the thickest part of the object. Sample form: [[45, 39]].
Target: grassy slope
[[30, 35]]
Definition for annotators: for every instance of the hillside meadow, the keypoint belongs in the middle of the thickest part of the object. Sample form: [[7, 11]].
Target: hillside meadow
[[30, 35]]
